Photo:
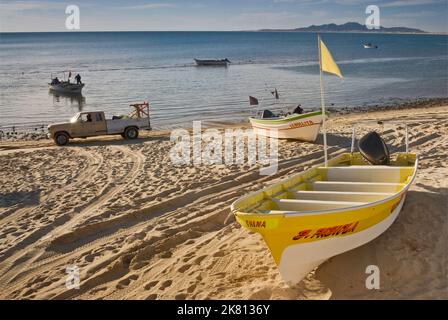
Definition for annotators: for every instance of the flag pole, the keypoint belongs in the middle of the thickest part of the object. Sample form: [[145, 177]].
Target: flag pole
[[322, 100]]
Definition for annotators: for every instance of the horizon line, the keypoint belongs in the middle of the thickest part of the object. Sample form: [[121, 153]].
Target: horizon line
[[259, 30]]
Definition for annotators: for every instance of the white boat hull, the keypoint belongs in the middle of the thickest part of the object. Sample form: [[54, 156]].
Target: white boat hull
[[324, 211], [292, 127], [66, 88], [222, 63], [299, 260]]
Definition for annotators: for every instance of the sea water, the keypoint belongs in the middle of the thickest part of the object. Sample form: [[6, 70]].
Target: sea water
[[120, 68]]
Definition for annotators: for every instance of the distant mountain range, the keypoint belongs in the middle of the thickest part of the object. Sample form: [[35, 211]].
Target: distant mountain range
[[349, 27]]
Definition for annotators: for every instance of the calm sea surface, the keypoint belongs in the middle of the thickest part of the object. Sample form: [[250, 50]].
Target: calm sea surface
[[120, 68]]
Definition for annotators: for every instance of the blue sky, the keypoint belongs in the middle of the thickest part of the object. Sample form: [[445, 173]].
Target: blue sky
[[112, 15]]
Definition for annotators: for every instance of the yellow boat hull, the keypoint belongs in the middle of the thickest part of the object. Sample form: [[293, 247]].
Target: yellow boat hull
[[322, 212]]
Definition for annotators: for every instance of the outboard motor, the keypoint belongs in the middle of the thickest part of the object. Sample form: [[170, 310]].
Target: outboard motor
[[267, 114], [373, 148], [298, 110]]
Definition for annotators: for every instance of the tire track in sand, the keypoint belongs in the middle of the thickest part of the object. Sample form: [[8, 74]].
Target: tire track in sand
[[97, 202], [129, 223], [175, 206], [80, 179]]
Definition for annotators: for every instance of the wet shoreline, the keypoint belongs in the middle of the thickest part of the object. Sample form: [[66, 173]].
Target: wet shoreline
[[39, 132]]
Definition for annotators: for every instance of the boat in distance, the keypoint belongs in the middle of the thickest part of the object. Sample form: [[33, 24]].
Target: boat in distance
[[370, 46], [212, 62], [66, 87], [314, 215], [304, 127]]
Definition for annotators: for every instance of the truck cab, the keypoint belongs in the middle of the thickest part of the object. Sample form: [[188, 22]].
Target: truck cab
[[94, 123], [88, 124]]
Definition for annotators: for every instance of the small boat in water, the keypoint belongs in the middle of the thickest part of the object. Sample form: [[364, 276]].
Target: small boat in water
[[304, 127], [211, 62], [309, 217], [66, 87], [370, 46]]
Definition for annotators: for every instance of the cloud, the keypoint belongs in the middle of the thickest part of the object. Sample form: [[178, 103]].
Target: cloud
[[306, 2], [405, 3], [276, 20], [292, 1], [18, 6], [411, 15], [396, 3], [152, 6], [326, 2]]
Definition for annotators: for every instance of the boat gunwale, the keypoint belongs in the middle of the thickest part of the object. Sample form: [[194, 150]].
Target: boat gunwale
[[286, 119], [286, 214], [66, 83]]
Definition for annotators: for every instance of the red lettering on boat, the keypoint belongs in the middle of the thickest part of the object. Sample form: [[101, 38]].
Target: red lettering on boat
[[256, 224], [302, 234], [301, 124], [327, 232]]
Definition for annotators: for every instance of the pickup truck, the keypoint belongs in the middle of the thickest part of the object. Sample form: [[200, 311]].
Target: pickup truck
[[94, 123]]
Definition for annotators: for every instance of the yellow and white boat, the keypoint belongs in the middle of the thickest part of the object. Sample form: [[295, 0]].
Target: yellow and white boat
[[327, 210]]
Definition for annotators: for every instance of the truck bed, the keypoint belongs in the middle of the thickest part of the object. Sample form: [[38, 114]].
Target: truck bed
[[118, 125]]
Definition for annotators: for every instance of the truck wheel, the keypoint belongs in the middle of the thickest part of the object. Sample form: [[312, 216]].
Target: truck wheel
[[61, 138], [131, 133]]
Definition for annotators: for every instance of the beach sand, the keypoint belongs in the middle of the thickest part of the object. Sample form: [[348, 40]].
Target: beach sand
[[138, 227]]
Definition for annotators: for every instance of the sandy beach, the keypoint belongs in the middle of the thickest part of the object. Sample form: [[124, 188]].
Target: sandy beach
[[140, 228]]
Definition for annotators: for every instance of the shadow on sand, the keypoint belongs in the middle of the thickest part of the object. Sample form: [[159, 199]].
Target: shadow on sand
[[114, 141], [334, 140], [410, 255], [23, 198]]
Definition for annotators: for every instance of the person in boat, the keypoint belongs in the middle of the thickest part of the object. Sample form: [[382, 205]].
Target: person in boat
[[78, 79], [55, 81], [298, 110]]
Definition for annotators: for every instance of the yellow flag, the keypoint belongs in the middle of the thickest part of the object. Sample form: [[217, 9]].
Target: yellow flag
[[327, 62]]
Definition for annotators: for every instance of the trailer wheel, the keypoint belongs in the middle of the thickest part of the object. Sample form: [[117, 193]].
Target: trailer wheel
[[61, 138], [131, 133]]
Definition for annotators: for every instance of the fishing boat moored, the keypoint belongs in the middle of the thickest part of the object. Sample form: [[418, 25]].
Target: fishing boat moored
[[66, 87], [63, 85], [327, 210], [370, 46], [304, 127], [212, 62]]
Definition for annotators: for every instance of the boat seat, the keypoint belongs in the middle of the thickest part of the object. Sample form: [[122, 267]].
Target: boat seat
[[341, 195], [313, 205], [357, 186], [366, 173]]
